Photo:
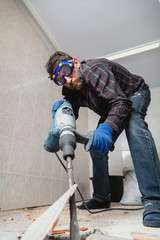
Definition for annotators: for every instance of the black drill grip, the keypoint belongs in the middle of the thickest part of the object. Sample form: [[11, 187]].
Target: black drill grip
[[67, 143], [87, 140]]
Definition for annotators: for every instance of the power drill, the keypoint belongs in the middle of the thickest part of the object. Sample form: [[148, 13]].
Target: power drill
[[63, 134]]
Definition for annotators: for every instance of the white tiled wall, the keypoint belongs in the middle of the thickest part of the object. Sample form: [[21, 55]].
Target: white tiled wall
[[29, 176]]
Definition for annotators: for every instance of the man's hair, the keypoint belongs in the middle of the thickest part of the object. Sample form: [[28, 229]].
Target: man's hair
[[54, 60]]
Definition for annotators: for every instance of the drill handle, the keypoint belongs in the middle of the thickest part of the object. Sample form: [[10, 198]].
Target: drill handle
[[87, 140]]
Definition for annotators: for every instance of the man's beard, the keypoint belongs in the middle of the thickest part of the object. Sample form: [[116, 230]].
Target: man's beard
[[77, 82]]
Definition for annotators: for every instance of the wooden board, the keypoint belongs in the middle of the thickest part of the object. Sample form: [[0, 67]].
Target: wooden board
[[47, 221], [144, 236]]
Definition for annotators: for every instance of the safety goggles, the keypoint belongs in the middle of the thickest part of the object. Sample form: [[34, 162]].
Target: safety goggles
[[64, 69]]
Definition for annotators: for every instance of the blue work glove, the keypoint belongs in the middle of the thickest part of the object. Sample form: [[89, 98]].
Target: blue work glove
[[102, 138], [56, 105]]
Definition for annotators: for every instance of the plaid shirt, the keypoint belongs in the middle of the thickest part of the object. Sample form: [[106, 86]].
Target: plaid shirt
[[107, 90]]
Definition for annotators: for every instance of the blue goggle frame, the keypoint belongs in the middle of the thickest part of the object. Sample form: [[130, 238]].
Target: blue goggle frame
[[61, 81]]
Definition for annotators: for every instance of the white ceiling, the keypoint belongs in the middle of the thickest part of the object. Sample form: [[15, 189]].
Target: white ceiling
[[95, 28]]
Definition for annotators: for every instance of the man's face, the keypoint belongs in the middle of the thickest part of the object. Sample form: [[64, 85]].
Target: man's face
[[74, 81]]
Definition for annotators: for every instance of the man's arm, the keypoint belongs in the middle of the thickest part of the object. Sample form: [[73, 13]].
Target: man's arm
[[108, 89]]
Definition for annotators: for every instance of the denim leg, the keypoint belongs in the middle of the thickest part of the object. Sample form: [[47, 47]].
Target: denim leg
[[100, 176], [143, 149]]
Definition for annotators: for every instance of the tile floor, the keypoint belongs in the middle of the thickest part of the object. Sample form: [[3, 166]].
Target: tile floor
[[113, 224]]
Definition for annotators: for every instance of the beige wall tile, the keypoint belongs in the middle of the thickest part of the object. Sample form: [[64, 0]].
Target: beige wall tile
[[2, 185], [22, 21], [54, 93], [57, 167], [32, 61], [18, 158], [47, 165], [56, 190], [84, 189], [5, 143], [45, 54], [65, 186], [1, 76], [41, 98], [18, 58], [35, 42], [12, 79], [30, 76], [38, 143], [24, 125], [13, 192], [38, 124], [4, 54], [34, 162], [81, 169], [6, 36], [10, 95], [38, 133], [28, 96], [21, 37], [7, 119], [31, 196], [64, 173], [8, 17], [45, 191]]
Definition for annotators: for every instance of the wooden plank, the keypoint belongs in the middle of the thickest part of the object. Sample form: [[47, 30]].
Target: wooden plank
[[141, 236], [47, 221]]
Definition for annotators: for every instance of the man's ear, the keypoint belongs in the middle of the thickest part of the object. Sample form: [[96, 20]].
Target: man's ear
[[76, 62]]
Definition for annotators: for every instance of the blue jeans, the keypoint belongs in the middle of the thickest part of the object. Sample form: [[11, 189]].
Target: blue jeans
[[143, 152]]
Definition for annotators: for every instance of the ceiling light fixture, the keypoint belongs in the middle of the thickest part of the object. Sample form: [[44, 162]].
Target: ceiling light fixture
[[132, 51]]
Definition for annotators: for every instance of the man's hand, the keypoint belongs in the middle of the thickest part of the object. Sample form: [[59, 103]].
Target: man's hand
[[56, 105], [102, 140]]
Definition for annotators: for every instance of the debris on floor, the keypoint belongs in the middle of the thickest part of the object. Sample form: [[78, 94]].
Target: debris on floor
[[84, 233], [109, 225]]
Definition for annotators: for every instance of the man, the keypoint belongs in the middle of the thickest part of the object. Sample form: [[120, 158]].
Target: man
[[121, 100]]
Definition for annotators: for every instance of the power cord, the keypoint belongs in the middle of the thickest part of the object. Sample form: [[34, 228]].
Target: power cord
[[104, 210]]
